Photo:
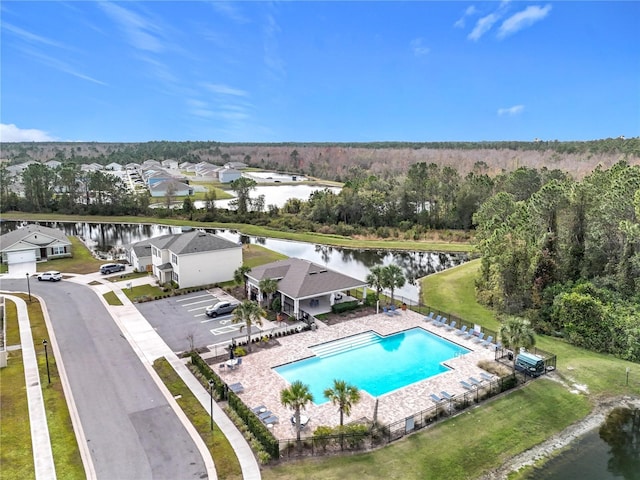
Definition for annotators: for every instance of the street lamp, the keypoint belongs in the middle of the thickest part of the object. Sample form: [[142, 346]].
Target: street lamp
[[46, 356], [211, 397], [28, 287]]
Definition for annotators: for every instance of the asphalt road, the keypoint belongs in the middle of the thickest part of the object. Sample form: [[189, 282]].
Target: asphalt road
[[131, 430]]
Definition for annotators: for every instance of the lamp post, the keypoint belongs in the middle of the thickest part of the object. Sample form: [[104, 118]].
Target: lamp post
[[28, 287], [46, 356], [628, 369], [211, 398]]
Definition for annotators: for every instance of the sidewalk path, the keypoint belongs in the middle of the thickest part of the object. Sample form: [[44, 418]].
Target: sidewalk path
[[40, 440], [149, 346]]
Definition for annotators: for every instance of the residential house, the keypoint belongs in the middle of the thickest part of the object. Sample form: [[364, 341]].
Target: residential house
[[305, 288], [190, 259], [33, 243], [53, 164], [236, 165], [113, 166], [179, 189], [228, 175]]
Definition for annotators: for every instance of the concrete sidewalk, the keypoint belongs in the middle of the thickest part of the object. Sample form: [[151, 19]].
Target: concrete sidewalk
[[149, 346], [40, 440]]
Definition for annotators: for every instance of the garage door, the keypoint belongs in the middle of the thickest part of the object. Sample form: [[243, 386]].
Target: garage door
[[21, 257]]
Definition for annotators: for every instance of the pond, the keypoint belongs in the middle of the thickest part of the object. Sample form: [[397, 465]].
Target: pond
[[107, 241], [608, 453], [275, 194]]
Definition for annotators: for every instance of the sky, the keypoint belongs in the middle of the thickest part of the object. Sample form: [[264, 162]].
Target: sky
[[318, 71]]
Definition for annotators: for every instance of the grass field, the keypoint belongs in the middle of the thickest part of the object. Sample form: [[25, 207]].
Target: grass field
[[14, 413]]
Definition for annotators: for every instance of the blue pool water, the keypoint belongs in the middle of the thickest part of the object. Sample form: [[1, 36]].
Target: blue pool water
[[373, 363]]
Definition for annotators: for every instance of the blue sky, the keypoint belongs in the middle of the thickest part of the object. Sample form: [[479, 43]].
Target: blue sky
[[304, 71]]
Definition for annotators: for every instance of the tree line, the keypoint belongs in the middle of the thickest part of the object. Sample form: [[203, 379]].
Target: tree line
[[567, 258]]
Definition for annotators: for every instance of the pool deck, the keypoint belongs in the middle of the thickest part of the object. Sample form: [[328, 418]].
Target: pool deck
[[262, 386]]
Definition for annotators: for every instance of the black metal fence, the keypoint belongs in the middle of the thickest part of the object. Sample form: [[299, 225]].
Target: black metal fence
[[324, 442]]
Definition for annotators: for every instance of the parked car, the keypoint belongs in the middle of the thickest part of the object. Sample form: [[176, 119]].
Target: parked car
[[111, 268], [50, 276], [220, 308]]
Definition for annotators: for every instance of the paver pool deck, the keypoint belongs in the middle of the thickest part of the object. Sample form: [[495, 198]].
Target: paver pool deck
[[262, 385]]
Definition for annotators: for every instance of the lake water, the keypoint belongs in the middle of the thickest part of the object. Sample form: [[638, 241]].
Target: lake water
[[109, 239], [611, 452], [274, 194]]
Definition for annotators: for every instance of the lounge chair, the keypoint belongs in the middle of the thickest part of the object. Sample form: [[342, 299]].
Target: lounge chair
[[436, 320], [462, 331], [469, 334], [442, 323], [265, 414], [236, 387], [436, 398], [488, 341], [486, 376], [479, 338], [474, 381], [270, 420], [466, 385], [429, 317], [452, 325], [393, 310], [386, 311], [259, 409], [446, 395]]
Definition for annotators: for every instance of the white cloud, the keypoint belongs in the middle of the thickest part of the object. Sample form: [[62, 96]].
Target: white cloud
[[460, 23], [229, 10], [483, 26], [61, 66], [523, 19], [31, 37], [511, 111], [142, 33], [11, 133], [225, 90], [418, 48]]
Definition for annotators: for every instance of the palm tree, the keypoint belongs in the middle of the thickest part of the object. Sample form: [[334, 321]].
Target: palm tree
[[268, 286], [240, 276], [344, 396], [393, 278], [297, 396], [375, 279], [516, 332], [248, 313]]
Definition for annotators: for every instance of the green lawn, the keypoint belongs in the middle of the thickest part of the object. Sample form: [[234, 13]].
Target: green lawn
[[112, 299], [14, 436], [82, 262], [453, 291]]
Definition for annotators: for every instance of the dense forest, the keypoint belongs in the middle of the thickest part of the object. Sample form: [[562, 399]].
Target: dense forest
[[560, 249], [332, 161]]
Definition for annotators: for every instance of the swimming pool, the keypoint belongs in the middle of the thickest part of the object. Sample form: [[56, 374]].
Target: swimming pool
[[372, 362]]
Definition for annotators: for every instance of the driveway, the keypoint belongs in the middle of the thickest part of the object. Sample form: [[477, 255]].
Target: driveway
[[131, 431], [181, 320]]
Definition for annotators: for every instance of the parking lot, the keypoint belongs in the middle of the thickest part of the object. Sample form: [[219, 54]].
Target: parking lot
[[182, 320]]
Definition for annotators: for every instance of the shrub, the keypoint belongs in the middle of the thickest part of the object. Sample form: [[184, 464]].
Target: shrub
[[321, 436], [344, 306]]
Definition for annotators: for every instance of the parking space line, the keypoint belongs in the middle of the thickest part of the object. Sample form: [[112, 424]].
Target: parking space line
[[196, 309], [196, 303], [191, 298], [223, 330]]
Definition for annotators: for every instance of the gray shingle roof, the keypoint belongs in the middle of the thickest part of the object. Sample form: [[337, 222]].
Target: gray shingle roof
[[302, 278], [11, 238], [195, 241]]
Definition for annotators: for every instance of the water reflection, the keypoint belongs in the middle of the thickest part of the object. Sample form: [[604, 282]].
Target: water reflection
[[610, 453], [109, 240]]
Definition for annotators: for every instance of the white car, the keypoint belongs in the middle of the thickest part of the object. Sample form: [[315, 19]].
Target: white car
[[51, 276]]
